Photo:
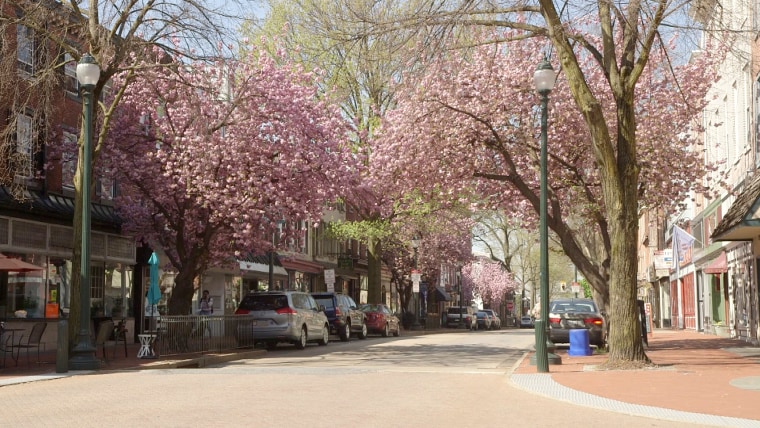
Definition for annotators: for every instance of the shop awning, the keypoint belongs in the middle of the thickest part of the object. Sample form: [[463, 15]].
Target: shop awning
[[260, 268], [442, 295], [719, 265], [742, 221], [301, 265]]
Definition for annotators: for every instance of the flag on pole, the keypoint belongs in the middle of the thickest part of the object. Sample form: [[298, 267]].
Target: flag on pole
[[682, 242]]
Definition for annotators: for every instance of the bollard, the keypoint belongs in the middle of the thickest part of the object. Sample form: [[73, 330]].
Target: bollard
[[62, 347]]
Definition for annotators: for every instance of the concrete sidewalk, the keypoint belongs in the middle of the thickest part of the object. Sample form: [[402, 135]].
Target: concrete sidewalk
[[699, 378]]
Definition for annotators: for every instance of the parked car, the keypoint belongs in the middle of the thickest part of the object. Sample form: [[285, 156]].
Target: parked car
[[569, 314], [381, 320], [343, 315], [281, 316], [484, 320], [464, 313], [526, 322], [495, 320]]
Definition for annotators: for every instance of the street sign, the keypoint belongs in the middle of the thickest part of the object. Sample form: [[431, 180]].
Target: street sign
[[416, 278], [330, 280], [329, 276], [416, 275], [575, 287]]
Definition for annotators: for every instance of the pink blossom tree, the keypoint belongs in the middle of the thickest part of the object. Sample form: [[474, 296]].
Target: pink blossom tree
[[210, 157], [487, 279], [468, 124]]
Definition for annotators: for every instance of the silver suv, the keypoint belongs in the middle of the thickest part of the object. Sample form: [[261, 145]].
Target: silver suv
[[461, 316], [281, 316]]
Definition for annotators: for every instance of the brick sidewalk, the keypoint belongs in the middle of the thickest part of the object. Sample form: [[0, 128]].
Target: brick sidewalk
[[695, 374], [46, 364]]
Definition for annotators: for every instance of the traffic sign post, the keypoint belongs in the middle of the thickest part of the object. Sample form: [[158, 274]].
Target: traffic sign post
[[416, 278], [576, 287]]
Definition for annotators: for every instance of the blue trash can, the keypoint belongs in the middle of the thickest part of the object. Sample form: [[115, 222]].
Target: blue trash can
[[579, 345]]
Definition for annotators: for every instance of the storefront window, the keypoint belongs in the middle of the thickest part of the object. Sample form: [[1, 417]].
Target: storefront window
[[117, 290], [26, 290], [47, 293]]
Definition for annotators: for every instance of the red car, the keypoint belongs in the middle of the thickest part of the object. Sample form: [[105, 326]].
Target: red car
[[381, 320]]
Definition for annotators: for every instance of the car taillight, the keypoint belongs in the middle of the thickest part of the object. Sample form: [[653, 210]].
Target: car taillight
[[241, 312], [596, 321], [286, 310], [553, 320], [338, 312]]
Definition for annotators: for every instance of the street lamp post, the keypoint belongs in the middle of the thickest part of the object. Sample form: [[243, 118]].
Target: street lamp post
[[544, 79], [83, 354], [461, 293], [416, 323]]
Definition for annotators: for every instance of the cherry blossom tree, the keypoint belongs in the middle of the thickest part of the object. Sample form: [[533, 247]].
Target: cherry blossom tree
[[210, 157], [488, 280], [469, 125]]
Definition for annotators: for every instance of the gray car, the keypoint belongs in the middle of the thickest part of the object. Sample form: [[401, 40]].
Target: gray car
[[569, 314], [495, 320], [281, 316]]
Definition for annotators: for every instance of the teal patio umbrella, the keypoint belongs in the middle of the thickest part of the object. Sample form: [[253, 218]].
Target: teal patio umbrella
[[154, 292]]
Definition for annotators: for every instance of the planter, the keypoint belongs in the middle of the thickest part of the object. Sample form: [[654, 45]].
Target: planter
[[722, 331]]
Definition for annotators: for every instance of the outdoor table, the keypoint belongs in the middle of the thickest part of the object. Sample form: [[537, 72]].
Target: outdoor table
[[145, 349], [8, 345]]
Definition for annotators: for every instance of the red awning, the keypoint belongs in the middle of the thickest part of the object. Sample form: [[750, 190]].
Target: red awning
[[301, 265], [719, 265]]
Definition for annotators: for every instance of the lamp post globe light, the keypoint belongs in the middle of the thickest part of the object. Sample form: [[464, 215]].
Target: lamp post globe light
[[416, 323], [544, 78], [83, 354]]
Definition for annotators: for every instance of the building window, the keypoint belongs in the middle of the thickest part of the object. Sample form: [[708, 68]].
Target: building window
[[757, 122], [25, 48], [70, 82], [69, 159], [24, 145], [104, 188]]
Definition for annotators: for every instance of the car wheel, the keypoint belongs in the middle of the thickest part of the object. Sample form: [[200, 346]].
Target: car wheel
[[345, 333], [397, 333], [363, 333], [325, 336], [301, 342], [386, 331]]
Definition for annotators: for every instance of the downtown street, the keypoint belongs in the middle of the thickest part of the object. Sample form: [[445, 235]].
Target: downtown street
[[454, 379]]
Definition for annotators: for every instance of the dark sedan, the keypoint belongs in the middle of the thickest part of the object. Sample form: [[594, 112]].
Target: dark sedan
[[569, 314], [381, 320]]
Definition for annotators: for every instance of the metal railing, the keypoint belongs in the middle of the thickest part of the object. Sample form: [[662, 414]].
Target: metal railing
[[198, 334]]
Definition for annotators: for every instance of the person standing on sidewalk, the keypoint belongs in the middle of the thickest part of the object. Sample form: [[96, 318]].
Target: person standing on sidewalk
[[206, 304]]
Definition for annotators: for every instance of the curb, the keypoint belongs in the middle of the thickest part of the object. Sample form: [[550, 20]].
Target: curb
[[200, 361], [196, 362]]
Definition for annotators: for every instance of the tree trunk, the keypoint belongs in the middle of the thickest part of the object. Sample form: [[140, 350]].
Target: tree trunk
[[616, 158], [181, 301], [374, 270], [625, 336]]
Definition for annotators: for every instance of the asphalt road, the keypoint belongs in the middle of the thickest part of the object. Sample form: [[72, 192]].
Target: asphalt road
[[440, 380]]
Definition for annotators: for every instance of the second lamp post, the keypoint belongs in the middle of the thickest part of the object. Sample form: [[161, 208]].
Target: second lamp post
[[544, 79], [416, 283], [83, 355]]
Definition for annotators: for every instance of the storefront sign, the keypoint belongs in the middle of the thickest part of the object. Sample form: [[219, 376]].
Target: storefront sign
[[345, 262]]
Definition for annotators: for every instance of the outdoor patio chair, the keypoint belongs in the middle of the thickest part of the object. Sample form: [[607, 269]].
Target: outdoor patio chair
[[105, 331], [34, 340], [120, 335]]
